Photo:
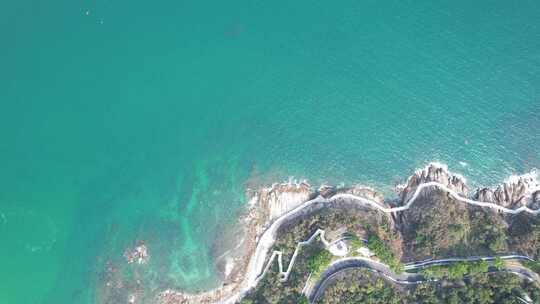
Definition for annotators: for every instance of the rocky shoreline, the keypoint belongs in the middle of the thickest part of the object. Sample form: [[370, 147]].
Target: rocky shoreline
[[517, 191], [268, 205]]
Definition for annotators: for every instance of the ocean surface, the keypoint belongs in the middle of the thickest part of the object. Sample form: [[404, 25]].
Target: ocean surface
[[134, 120]]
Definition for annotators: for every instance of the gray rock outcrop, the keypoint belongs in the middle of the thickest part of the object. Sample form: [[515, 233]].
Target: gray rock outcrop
[[433, 172], [516, 192]]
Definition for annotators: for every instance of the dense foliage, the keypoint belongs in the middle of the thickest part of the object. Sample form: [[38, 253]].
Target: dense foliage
[[381, 251], [272, 290], [482, 288], [534, 266], [359, 222], [438, 227], [318, 262], [361, 286], [524, 234], [456, 270]]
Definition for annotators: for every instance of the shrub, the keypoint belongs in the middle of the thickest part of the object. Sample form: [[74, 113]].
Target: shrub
[[498, 263], [318, 262], [379, 248], [456, 271], [303, 300], [534, 266]]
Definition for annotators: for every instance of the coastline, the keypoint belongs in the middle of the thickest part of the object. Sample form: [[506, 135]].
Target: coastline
[[269, 208]]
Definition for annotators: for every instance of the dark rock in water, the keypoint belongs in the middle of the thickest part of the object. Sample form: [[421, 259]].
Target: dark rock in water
[[138, 255], [327, 191]]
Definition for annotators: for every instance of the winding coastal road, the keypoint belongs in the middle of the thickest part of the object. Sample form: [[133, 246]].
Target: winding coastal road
[[257, 268], [450, 192], [314, 293], [431, 262], [337, 267]]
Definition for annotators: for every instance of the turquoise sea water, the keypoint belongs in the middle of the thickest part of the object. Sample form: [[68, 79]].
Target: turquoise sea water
[[127, 120]]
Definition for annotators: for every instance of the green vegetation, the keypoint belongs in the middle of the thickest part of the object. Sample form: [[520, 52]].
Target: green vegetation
[[355, 243], [355, 222], [303, 300], [314, 258], [318, 262], [379, 248], [534, 266], [272, 290], [481, 288], [456, 270], [488, 232], [437, 227], [361, 286], [498, 263], [524, 234], [440, 227]]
